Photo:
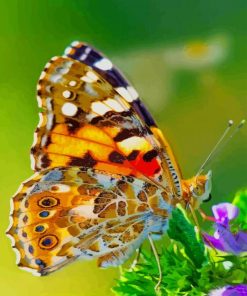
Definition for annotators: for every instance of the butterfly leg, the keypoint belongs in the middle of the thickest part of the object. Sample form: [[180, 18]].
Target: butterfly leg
[[204, 216], [137, 258], [195, 218], [157, 286]]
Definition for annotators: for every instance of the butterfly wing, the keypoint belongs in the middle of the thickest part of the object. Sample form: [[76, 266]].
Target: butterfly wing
[[86, 54], [85, 122], [61, 214]]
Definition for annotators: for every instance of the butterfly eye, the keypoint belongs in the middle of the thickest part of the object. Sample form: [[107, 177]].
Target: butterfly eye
[[48, 202], [195, 190]]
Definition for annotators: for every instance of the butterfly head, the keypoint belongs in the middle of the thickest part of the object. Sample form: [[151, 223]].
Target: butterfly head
[[198, 189]]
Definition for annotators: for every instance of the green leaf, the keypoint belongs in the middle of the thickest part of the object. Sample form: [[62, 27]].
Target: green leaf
[[180, 276], [240, 201], [181, 230]]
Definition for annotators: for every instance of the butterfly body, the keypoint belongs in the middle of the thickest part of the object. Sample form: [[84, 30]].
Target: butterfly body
[[105, 175]]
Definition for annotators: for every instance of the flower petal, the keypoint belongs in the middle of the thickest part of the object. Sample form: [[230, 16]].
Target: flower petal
[[218, 292], [241, 239], [238, 290], [213, 242], [224, 212], [226, 241]]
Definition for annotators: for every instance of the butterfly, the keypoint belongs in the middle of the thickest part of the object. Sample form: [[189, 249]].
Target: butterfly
[[105, 176]]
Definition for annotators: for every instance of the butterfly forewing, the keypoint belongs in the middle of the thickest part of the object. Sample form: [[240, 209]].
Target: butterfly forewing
[[85, 122], [86, 54]]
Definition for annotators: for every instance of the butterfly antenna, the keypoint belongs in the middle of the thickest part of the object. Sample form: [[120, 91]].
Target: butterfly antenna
[[228, 128], [236, 130]]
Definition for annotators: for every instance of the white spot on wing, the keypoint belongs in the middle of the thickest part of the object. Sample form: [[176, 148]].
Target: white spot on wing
[[106, 181], [18, 255], [39, 101], [87, 50], [32, 161], [49, 124], [114, 105], [69, 109], [62, 187], [125, 94], [48, 88], [40, 119], [92, 75], [86, 79], [33, 271], [55, 78], [67, 50], [90, 116], [85, 54], [43, 140], [133, 92], [64, 69], [48, 65], [66, 94], [100, 108], [84, 211], [54, 58], [89, 89], [42, 75], [39, 160], [72, 83], [75, 43], [103, 64], [48, 104]]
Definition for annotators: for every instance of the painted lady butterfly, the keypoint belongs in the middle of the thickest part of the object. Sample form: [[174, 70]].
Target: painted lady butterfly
[[105, 176]]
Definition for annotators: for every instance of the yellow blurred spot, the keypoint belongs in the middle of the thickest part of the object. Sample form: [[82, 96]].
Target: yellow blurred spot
[[196, 49]]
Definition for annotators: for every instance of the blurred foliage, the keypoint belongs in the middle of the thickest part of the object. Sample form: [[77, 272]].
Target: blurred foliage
[[187, 268], [240, 200]]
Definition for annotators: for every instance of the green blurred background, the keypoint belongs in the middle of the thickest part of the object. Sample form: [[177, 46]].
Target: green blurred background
[[186, 58]]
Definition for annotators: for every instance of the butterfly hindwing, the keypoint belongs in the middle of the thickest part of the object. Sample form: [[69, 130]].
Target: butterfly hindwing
[[61, 214]]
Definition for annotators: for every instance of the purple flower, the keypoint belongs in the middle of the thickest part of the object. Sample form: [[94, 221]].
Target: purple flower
[[223, 239], [224, 212], [238, 290]]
